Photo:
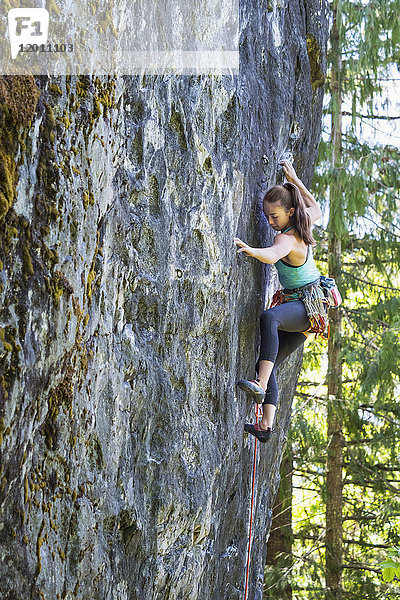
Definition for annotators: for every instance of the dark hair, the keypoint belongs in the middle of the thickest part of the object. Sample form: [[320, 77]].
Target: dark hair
[[288, 195]]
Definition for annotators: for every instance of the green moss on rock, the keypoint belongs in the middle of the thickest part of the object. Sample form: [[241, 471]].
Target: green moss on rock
[[59, 397], [314, 56], [176, 124], [55, 89], [207, 165], [2, 428], [18, 99]]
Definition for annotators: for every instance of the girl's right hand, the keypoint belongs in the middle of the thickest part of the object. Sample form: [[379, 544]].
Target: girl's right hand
[[243, 247], [289, 171]]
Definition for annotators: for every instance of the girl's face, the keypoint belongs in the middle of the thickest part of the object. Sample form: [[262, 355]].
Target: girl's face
[[278, 217]]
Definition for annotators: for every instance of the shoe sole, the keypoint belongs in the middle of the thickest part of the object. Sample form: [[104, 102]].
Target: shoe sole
[[257, 434], [250, 388]]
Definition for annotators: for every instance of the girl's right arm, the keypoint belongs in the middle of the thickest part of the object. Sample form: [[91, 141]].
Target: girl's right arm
[[283, 244], [312, 206]]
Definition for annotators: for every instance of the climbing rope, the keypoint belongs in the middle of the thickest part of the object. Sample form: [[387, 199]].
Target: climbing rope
[[258, 414]]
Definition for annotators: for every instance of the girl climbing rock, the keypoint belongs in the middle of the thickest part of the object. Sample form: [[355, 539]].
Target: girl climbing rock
[[298, 309]]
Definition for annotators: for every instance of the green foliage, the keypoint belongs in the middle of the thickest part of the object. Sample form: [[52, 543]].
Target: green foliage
[[368, 223], [391, 566], [369, 41]]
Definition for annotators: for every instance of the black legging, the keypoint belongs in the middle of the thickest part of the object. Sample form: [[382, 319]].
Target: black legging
[[280, 336]]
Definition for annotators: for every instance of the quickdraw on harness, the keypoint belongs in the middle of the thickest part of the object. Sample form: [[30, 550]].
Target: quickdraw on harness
[[317, 297]]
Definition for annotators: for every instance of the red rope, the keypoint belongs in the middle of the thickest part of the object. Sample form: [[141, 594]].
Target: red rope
[[252, 506]]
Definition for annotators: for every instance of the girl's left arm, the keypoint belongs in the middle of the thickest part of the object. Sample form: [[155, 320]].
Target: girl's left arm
[[312, 206], [281, 247]]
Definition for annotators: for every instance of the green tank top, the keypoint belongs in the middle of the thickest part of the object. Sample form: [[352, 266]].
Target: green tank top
[[292, 277]]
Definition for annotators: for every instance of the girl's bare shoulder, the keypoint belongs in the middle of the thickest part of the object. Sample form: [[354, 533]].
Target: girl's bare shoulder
[[292, 233]]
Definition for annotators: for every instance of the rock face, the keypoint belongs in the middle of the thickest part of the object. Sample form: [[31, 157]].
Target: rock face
[[127, 317]]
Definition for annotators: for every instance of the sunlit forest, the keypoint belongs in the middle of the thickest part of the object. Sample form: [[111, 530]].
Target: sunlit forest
[[336, 529]]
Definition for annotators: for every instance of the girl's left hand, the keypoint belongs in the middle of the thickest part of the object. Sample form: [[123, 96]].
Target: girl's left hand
[[249, 251], [289, 171]]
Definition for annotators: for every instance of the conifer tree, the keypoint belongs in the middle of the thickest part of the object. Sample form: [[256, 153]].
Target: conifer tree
[[349, 467], [335, 442]]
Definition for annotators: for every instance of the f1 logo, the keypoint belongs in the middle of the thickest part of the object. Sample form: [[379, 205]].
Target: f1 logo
[[27, 26]]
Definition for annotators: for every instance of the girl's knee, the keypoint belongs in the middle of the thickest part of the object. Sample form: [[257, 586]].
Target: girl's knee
[[271, 402], [267, 318]]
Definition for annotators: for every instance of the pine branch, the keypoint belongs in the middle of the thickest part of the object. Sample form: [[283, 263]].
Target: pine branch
[[383, 468], [385, 287], [380, 131], [311, 396], [309, 383], [308, 472], [317, 460], [299, 487], [380, 79], [367, 341], [349, 114], [378, 213], [359, 442], [304, 557], [290, 507], [372, 411], [371, 469], [392, 480], [358, 518], [378, 482], [310, 588], [361, 312], [361, 567], [380, 226], [359, 263], [296, 523], [300, 536]]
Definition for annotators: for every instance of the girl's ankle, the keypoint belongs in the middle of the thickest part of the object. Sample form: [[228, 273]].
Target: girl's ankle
[[264, 426], [261, 385]]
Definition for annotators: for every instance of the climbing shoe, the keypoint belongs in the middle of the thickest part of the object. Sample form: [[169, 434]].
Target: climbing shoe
[[262, 435], [253, 388]]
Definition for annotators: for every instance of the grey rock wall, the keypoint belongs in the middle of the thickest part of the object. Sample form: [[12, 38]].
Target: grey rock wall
[[126, 317]]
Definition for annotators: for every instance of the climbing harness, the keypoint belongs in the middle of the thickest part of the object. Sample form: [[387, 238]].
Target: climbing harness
[[317, 297], [316, 308], [258, 414], [331, 291]]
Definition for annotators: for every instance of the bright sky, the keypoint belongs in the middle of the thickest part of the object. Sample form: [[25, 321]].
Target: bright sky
[[387, 104], [373, 131]]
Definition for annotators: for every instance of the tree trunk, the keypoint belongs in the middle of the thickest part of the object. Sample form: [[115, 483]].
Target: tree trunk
[[334, 483], [279, 550]]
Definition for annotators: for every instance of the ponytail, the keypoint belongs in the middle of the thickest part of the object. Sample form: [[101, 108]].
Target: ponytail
[[289, 197]]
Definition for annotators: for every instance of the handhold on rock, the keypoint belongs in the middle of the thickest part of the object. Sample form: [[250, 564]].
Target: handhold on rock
[[287, 155]]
